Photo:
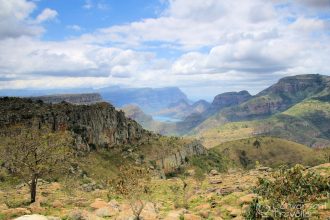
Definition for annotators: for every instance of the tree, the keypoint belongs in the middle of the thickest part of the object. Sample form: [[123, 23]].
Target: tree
[[132, 183], [31, 154], [199, 176]]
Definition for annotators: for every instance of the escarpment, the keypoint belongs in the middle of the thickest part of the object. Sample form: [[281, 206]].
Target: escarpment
[[96, 125]]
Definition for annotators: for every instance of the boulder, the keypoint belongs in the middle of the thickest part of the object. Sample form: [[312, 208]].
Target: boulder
[[98, 203], [247, 198], [267, 169], [175, 214], [3, 206], [191, 217], [32, 217], [149, 211], [57, 204], [82, 215], [114, 204], [214, 173], [106, 212], [16, 211], [215, 181]]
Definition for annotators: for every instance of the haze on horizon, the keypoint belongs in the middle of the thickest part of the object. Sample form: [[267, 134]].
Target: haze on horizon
[[205, 47]]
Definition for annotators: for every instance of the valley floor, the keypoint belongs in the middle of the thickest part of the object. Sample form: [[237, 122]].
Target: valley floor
[[219, 196]]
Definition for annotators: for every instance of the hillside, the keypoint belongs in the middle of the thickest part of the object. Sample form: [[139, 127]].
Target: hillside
[[275, 99], [94, 127], [296, 108], [268, 151], [306, 122]]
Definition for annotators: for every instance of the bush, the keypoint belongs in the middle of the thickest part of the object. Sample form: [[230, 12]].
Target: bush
[[288, 193], [210, 161]]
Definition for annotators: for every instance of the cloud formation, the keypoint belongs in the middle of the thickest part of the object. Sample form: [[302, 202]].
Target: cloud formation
[[218, 45]]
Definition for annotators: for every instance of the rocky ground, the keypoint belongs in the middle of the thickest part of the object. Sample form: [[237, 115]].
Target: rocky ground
[[219, 196]]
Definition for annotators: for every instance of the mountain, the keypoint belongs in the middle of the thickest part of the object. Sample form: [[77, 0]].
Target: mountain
[[150, 100], [88, 98], [182, 109], [228, 99], [147, 121], [219, 102], [97, 125], [94, 127], [296, 108]]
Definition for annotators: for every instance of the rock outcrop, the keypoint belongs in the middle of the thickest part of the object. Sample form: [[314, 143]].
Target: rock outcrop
[[181, 156], [229, 99], [96, 125]]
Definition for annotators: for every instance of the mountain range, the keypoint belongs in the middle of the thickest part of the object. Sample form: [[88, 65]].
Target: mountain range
[[296, 108], [150, 100]]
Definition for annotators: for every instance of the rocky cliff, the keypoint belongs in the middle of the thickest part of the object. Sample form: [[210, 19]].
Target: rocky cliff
[[96, 125], [229, 99], [181, 156], [85, 99]]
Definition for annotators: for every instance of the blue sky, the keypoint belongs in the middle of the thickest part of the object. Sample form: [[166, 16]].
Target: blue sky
[[92, 15], [205, 47]]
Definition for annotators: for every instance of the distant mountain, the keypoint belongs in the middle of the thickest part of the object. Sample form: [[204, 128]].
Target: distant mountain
[[182, 109], [87, 99], [135, 113], [275, 99], [150, 100], [147, 121], [296, 108], [220, 102], [228, 99]]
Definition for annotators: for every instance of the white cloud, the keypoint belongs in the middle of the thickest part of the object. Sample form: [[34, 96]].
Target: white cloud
[[15, 20], [88, 4], [74, 27], [46, 15], [223, 45]]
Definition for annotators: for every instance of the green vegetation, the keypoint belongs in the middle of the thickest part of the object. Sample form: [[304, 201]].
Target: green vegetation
[[211, 161], [35, 154], [306, 122], [289, 193], [270, 151]]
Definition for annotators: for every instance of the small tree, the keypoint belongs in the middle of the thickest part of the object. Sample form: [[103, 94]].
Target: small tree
[[132, 184], [33, 154], [199, 176]]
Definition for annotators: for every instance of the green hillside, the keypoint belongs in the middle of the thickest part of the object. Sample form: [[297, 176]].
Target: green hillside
[[268, 151], [306, 122]]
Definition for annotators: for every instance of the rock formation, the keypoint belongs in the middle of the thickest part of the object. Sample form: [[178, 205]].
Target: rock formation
[[97, 125]]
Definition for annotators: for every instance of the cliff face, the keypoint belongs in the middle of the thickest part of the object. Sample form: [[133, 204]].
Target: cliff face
[[86, 99], [181, 156], [279, 97], [229, 99], [97, 125]]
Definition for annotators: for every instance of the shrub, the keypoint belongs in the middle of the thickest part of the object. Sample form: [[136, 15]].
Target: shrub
[[287, 193], [210, 161]]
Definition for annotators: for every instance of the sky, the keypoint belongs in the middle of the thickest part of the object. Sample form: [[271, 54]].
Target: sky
[[205, 47]]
